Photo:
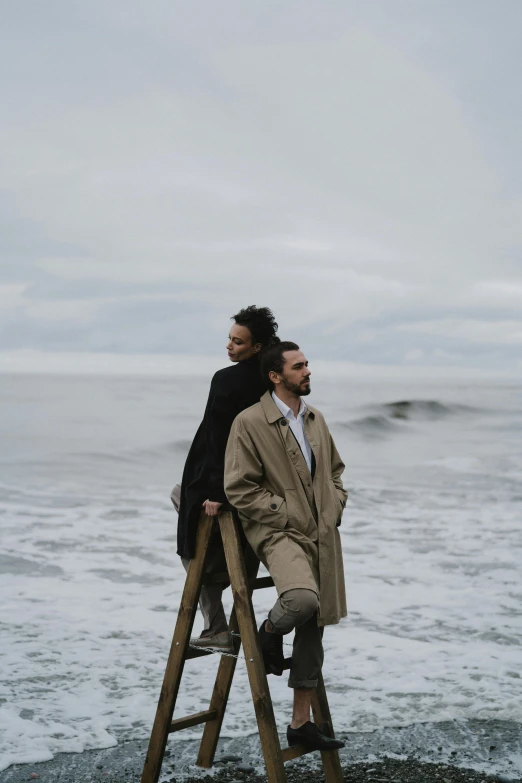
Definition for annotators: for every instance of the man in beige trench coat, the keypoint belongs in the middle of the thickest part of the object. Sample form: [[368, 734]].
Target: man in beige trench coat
[[283, 475]]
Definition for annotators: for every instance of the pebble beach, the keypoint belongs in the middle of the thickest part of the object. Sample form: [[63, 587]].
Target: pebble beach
[[471, 752]]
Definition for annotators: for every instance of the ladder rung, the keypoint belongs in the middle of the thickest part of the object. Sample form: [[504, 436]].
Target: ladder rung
[[262, 581], [192, 720], [193, 653], [294, 752]]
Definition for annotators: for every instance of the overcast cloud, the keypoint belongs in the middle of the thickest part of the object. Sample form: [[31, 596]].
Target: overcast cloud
[[354, 166]]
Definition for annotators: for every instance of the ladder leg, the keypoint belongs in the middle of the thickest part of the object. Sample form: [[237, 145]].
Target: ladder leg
[[218, 702], [225, 674], [330, 758], [254, 661], [176, 659]]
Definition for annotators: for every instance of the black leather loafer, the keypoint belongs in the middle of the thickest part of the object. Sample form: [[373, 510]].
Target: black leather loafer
[[272, 649], [309, 735]]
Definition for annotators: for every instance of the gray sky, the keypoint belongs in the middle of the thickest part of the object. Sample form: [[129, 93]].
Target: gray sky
[[354, 166]]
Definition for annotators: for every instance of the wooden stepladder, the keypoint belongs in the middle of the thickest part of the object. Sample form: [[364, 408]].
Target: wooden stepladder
[[242, 620]]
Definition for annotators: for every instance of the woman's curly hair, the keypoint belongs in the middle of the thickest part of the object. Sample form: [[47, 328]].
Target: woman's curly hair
[[261, 324]]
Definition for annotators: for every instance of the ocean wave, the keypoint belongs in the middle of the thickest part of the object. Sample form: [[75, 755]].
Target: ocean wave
[[424, 409], [372, 426], [388, 418]]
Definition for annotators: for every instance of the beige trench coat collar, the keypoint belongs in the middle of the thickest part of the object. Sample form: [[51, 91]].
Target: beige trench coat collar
[[273, 413]]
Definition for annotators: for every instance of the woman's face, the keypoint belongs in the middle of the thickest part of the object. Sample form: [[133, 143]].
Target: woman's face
[[239, 346]]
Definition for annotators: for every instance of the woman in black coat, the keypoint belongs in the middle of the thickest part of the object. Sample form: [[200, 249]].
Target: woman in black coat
[[232, 390]]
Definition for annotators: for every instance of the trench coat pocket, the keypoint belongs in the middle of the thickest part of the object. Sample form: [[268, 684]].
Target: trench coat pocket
[[342, 503], [340, 500], [341, 496], [277, 513]]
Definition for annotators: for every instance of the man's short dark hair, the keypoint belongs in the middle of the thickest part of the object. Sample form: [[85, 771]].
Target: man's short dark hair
[[272, 360], [260, 322]]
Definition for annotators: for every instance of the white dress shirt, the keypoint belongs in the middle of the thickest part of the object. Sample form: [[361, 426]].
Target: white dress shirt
[[297, 426]]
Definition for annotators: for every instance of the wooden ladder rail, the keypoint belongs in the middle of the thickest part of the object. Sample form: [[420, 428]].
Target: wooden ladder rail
[[227, 666], [242, 574], [253, 657]]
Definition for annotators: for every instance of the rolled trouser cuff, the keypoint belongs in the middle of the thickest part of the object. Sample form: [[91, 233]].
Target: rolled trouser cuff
[[297, 684], [175, 496]]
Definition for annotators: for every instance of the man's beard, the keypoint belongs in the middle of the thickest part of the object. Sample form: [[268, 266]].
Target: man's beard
[[296, 389]]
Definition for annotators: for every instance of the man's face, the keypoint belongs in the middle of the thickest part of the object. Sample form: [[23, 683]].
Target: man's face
[[295, 377], [239, 346]]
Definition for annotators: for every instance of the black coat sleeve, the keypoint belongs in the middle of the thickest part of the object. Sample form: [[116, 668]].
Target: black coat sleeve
[[222, 410]]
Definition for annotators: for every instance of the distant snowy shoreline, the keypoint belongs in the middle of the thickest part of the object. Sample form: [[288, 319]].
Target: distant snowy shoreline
[[41, 362]]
